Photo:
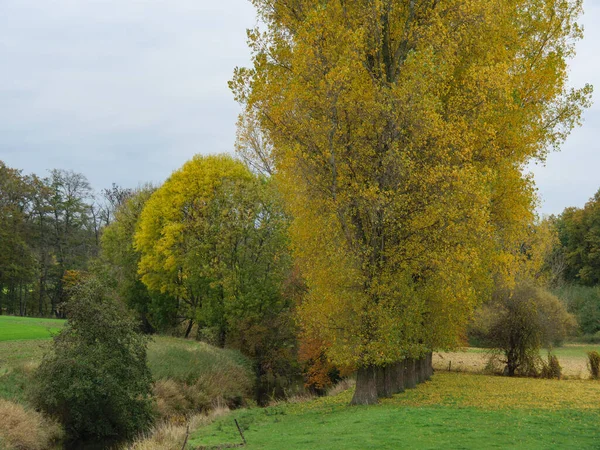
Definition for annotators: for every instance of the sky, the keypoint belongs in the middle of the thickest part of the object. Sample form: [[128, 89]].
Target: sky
[[126, 91]]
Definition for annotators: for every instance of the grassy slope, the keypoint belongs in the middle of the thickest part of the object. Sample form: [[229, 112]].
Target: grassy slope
[[18, 328], [452, 411], [186, 361], [168, 358]]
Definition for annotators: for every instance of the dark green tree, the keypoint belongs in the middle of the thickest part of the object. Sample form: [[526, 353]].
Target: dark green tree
[[95, 380]]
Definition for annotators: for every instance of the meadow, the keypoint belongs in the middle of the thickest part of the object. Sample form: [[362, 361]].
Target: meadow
[[456, 409], [453, 410], [188, 376], [172, 359], [14, 328]]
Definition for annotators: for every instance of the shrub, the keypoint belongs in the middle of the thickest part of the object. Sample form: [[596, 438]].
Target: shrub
[[519, 322], [594, 364], [25, 429], [552, 368], [95, 380]]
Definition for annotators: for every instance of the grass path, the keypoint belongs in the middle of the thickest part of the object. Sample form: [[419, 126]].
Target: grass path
[[453, 410]]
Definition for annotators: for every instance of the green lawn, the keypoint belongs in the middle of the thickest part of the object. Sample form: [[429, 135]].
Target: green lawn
[[20, 328], [452, 411]]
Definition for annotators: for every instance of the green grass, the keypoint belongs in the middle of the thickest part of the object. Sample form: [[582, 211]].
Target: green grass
[[452, 411], [21, 328], [23, 341], [575, 350], [168, 358], [186, 361]]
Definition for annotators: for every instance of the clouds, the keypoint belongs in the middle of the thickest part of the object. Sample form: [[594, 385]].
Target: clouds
[[128, 90], [122, 91], [571, 176]]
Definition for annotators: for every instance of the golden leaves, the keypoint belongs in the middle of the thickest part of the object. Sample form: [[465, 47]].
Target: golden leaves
[[399, 132]]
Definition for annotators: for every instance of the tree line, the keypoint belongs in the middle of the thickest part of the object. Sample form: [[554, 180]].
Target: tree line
[[49, 227]]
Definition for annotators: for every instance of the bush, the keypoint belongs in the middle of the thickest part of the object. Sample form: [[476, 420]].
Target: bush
[[95, 380], [552, 368], [519, 322], [594, 364]]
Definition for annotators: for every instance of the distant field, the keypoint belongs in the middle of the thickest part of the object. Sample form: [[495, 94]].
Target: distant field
[[572, 358], [453, 410], [20, 328]]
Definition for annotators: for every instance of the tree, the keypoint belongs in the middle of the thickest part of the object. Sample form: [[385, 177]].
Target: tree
[[73, 234], [156, 310], [17, 263], [399, 134], [95, 380], [579, 233], [519, 322], [212, 237]]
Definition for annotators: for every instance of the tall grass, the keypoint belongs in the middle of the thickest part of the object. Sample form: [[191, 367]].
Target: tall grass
[[23, 428], [193, 377]]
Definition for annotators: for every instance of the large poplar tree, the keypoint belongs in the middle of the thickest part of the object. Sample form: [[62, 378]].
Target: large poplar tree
[[400, 131]]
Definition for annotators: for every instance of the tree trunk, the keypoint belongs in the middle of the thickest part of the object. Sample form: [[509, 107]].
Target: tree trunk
[[387, 380], [380, 372], [419, 371], [366, 386], [429, 369], [410, 381], [399, 376], [189, 328]]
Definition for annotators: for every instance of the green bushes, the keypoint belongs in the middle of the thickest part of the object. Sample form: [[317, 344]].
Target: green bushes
[[551, 368], [584, 303], [95, 381]]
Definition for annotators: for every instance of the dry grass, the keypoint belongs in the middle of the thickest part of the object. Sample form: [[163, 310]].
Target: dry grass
[[574, 365], [25, 429], [171, 434], [344, 385]]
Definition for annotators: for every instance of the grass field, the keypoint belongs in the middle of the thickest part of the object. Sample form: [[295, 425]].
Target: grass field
[[20, 328], [454, 410]]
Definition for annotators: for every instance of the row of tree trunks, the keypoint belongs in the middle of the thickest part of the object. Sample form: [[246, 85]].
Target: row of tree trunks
[[375, 382]]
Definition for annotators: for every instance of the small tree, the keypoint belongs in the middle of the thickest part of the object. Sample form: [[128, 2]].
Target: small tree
[[95, 380], [518, 322]]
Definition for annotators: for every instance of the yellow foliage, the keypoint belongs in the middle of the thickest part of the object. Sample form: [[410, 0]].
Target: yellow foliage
[[175, 236], [399, 133]]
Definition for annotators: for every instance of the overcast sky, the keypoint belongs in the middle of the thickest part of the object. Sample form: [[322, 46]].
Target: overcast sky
[[126, 91]]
